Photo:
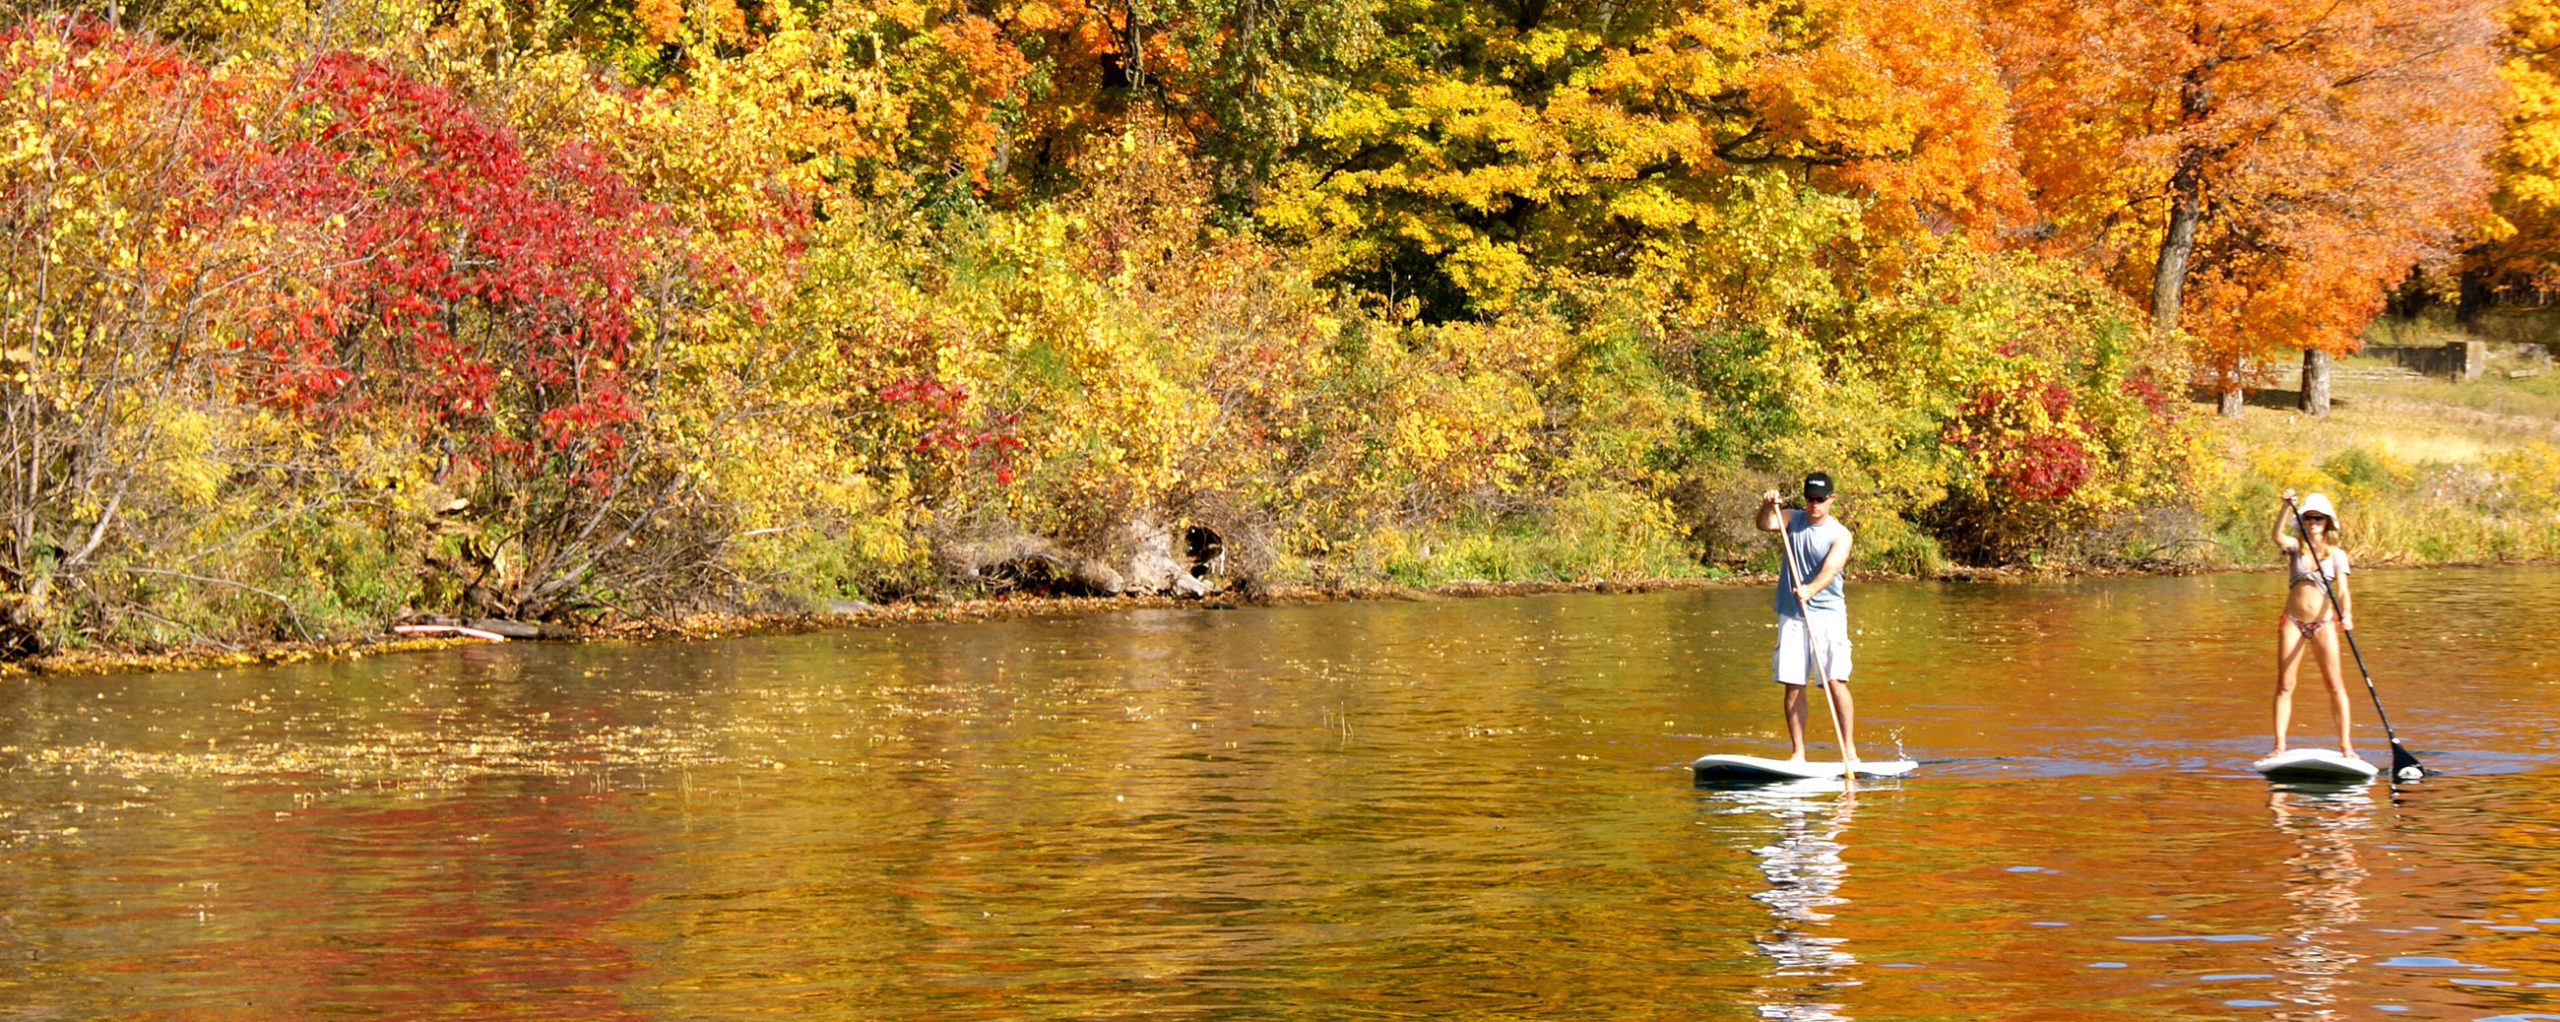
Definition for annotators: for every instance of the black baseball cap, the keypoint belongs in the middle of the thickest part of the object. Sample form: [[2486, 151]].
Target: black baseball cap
[[1817, 485]]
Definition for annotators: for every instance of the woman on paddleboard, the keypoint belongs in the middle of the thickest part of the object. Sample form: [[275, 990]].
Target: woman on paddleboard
[[2312, 622]]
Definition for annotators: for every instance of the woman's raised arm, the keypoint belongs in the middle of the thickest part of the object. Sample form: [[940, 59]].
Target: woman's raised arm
[[2284, 517]]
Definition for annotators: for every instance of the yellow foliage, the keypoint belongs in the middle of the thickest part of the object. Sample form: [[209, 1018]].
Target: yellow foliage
[[2525, 230], [2528, 479]]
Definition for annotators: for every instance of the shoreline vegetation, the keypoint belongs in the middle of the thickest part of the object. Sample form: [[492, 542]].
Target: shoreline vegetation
[[689, 317], [2396, 449], [2397, 445]]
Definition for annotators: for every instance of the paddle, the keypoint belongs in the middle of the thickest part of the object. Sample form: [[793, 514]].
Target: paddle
[[1812, 649], [2402, 763]]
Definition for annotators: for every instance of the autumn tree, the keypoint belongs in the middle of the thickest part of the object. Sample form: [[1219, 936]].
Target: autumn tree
[[102, 202], [2519, 247], [645, 305], [2258, 170], [1243, 80], [992, 94], [1489, 148]]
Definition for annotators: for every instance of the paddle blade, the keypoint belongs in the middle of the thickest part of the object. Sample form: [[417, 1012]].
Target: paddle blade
[[2404, 765]]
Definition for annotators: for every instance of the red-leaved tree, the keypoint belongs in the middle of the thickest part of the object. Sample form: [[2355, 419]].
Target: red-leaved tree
[[480, 293]]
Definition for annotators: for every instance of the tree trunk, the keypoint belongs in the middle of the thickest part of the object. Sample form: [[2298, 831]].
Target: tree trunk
[[2315, 381], [2471, 294], [2169, 276], [2232, 399], [2410, 298], [1137, 44]]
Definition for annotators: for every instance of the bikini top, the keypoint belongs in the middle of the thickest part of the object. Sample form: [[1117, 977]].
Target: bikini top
[[2305, 569]]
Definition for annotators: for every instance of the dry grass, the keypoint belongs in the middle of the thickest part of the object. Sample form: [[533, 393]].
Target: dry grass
[[2411, 430], [2414, 420], [2429, 471]]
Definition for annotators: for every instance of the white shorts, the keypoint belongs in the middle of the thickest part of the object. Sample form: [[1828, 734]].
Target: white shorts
[[1790, 665]]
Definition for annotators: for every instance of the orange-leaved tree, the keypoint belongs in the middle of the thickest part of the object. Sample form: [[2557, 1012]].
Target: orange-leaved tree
[[2259, 170]]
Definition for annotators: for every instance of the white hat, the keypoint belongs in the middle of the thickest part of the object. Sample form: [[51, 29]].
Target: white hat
[[2318, 504]]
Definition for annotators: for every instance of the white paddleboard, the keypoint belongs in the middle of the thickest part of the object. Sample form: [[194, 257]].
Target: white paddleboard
[[2317, 766], [1757, 768]]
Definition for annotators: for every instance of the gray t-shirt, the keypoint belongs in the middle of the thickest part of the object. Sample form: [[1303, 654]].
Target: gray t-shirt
[[1807, 546]]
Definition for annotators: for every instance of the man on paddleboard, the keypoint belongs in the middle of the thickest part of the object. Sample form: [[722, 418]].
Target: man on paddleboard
[[1813, 616]]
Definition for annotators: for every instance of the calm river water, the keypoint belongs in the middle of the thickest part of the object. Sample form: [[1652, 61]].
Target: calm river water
[[1473, 809]]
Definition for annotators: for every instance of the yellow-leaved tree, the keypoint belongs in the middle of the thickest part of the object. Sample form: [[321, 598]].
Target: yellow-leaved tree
[[2520, 244]]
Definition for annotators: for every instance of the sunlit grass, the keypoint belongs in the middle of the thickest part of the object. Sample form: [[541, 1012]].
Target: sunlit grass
[[2407, 434], [1576, 537], [2426, 471], [2536, 396]]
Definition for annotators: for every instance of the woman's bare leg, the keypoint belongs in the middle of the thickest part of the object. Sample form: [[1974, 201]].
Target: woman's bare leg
[[2339, 704], [2288, 657]]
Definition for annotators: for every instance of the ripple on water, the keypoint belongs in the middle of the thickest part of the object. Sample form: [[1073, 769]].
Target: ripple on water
[[2434, 962], [1334, 811]]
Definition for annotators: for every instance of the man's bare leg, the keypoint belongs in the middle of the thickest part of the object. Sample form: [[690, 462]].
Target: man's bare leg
[[1792, 705], [1847, 708]]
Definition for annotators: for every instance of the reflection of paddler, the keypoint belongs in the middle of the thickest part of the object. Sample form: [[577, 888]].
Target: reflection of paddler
[[1804, 869], [2322, 881]]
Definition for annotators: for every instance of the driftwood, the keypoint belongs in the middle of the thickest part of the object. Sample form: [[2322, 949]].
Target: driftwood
[[1041, 571], [494, 626]]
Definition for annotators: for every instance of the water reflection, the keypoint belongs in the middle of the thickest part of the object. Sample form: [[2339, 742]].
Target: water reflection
[[2321, 883], [1804, 869], [1463, 809]]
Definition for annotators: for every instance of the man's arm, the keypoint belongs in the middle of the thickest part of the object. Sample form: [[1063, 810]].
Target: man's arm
[[1837, 559], [1770, 518]]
